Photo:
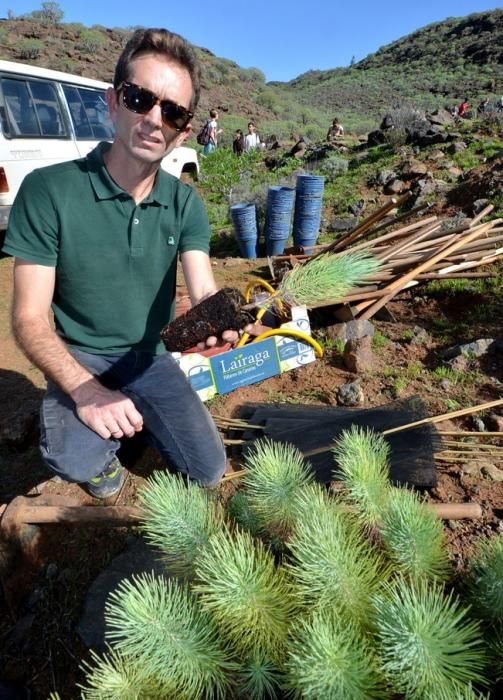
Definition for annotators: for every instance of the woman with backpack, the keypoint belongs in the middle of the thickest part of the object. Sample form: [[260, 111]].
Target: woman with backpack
[[208, 136]]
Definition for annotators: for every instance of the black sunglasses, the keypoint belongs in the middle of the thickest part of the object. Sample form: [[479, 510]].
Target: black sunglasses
[[141, 101]]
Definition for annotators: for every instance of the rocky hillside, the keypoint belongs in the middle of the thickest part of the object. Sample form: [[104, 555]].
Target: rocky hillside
[[437, 64]]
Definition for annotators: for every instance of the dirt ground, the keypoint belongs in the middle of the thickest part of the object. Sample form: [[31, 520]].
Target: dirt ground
[[44, 590]]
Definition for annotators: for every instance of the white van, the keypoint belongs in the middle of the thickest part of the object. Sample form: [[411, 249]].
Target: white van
[[47, 117]]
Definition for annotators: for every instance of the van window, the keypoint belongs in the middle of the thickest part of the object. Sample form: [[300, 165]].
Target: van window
[[31, 109], [89, 112]]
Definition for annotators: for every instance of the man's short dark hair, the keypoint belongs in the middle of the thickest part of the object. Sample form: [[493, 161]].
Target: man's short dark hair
[[166, 44]]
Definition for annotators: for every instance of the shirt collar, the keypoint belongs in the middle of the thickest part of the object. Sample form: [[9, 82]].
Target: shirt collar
[[106, 188]]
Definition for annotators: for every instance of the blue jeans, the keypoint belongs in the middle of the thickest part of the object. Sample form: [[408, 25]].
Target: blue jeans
[[174, 419]]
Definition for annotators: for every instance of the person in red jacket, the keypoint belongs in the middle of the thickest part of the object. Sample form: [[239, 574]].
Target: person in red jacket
[[463, 107]]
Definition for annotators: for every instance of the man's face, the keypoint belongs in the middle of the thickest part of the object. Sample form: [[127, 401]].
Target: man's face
[[145, 137], [251, 128]]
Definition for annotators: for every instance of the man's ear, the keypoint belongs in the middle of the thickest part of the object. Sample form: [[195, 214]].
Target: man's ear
[[184, 135], [112, 102]]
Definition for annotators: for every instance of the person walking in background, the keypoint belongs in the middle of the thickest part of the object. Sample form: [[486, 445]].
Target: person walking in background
[[463, 108], [214, 131], [252, 139], [238, 144]]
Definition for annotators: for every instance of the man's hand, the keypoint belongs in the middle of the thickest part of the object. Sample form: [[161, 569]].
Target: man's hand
[[109, 413], [232, 337]]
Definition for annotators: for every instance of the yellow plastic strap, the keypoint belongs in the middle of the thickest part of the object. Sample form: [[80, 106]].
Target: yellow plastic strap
[[256, 282], [296, 334]]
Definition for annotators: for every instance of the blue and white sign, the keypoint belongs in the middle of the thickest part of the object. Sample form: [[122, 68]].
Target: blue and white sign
[[246, 365]]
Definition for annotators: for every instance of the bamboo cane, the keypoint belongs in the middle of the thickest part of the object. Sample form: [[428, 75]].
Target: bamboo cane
[[394, 287], [348, 238], [487, 210]]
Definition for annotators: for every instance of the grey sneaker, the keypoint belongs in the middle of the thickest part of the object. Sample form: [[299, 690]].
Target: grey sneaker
[[108, 482]]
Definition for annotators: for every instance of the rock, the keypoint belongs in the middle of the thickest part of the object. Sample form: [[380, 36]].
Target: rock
[[395, 187], [356, 208], [375, 138], [419, 336], [341, 224], [459, 364], [477, 348], [350, 330], [350, 394], [492, 472], [358, 356], [494, 422], [436, 155], [456, 147], [445, 384], [478, 205], [455, 171], [472, 468], [478, 424], [413, 168], [440, 117], [385, 176]]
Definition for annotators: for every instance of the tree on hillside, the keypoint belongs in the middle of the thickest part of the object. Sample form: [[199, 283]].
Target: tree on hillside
[[50, 12]]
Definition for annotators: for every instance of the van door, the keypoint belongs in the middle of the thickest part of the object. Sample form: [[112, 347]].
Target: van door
[[89, 115], [35, 130]]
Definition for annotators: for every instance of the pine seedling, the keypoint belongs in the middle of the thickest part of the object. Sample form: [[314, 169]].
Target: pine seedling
[[429, 650], [327, 276], [259, 679], [117, 677], [179, 518], [247, 595], [414, 537], [239, 511], [362, 456], [160, 623], [485, 579], [275, 475], [329, 658], [333, 565]]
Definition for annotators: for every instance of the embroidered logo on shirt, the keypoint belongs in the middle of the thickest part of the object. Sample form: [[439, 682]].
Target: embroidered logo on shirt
[[171, 240]]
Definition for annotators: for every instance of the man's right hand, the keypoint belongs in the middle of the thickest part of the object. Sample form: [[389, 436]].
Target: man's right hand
[[109, 413]]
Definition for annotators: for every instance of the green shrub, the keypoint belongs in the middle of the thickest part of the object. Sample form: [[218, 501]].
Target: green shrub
[[333, 166], [30, 49], [90, 41]]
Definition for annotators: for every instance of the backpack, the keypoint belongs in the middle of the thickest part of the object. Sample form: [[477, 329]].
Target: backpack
[[203, 137]]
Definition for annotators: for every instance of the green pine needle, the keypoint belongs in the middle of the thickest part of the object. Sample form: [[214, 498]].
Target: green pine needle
[[328, 276], [429, 651], [485, 579], [333, 565], [160, 623], [414, 537], [117, 677], [362, 456], [259, 679], [246, 594], [179, 518], [276, 474], [329, 658], [239, 511]]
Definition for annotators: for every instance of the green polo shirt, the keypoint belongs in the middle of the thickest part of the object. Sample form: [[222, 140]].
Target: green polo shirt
[[115, 261]]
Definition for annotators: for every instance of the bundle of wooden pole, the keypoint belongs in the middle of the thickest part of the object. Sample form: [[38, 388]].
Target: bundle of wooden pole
[[425, 250]]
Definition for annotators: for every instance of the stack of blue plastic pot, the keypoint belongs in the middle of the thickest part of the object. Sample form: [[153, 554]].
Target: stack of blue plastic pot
[[244, 219], [307, 216], [278, 218]]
